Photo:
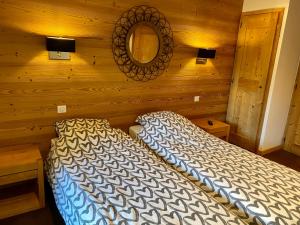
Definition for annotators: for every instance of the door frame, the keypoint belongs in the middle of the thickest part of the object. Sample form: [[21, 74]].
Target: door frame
[[271, 66], [287, 132]]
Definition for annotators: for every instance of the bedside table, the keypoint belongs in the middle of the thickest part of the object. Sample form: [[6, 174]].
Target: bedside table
[[20, 164], [218, 129]]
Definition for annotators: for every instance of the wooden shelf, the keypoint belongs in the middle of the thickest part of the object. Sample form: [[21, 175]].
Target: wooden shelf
[[18, 204], [21, 180], [18, 177], [19, 159]]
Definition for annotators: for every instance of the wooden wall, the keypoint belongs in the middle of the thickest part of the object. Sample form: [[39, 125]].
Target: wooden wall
[[91, 84]]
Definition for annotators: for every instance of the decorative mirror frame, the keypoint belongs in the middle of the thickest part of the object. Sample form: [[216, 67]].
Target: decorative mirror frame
[[124, 28]]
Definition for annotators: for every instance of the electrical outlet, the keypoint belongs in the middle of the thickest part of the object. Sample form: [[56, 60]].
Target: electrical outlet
[[196, 98], [61, 109]]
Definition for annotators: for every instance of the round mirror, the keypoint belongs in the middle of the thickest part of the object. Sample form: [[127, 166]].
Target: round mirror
[[143, 43]]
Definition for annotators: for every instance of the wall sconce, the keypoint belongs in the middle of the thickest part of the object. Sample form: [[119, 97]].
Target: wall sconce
[[60, 48], [204, 54]]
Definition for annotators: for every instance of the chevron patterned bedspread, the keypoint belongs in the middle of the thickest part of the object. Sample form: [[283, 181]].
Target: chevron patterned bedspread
[[258, 190], [103, 177]]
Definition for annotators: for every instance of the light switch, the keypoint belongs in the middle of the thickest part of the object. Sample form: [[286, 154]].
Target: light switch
[[61, 109], [196, 98]]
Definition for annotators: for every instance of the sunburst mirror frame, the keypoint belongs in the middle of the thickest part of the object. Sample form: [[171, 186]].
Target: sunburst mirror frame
[[125, 26]]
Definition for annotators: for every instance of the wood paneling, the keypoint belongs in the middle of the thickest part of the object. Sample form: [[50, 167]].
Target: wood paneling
[[91, 84], [255, 57]]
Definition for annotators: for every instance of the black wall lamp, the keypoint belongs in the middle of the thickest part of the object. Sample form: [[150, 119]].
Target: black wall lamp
[[60, 48], [204, 54]]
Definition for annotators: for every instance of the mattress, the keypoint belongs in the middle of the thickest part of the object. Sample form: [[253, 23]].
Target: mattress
[[105, 177], [258, 190]]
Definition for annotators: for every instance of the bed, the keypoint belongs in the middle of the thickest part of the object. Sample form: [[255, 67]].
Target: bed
[[255, 189], [99, 175]]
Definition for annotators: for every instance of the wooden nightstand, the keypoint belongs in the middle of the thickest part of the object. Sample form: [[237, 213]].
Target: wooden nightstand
[[218, 129], [18, 165]]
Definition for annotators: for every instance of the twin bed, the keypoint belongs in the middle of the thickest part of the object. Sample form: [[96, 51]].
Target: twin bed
[[173, 173]]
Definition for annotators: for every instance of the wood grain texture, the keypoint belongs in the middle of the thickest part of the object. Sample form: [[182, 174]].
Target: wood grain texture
[[292, 140], [218, 129], [21, 163], [255, 57], [91, 84]]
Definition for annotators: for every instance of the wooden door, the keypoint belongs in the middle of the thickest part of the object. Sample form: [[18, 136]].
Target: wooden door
[[255, 56], [292, 140]]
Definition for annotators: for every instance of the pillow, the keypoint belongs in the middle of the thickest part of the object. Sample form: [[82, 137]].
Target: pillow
[[70, 124], [166, 124], [166, 117]]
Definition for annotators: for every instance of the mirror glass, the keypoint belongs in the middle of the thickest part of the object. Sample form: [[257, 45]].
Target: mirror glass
[[143, 43]]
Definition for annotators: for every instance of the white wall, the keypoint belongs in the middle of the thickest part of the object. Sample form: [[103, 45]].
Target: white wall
[[285, 71], [251, 5]]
